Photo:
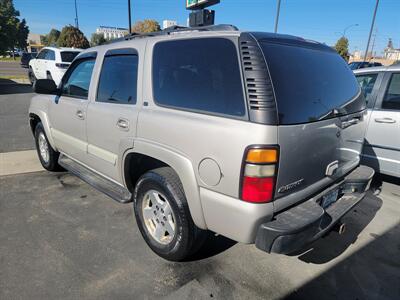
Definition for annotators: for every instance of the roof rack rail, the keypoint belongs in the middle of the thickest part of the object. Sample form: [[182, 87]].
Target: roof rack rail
[[177, 29]]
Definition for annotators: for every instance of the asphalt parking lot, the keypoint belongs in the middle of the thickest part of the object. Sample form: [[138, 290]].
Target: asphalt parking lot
[[61, 239]]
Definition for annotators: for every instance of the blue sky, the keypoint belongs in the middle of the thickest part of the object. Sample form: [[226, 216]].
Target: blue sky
[[321, 20]]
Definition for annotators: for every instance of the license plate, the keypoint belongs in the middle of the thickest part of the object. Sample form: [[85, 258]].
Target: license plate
[[330, 198]]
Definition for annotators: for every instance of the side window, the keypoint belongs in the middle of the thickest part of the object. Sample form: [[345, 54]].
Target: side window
[[42, 54], [367, 82], [50, 55], [77, 81], [392, 96], [198, 75], [118, 79]]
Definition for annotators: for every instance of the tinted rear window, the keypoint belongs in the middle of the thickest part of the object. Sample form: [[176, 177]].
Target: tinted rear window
[[310, 83], [199, 75], [68, 56]]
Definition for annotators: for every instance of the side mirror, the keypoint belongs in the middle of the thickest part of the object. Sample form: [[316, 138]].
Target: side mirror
[[45, 86]]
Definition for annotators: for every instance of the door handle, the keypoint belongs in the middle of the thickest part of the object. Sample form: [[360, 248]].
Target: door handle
[[385, 120], [123, 124], [80, 114]]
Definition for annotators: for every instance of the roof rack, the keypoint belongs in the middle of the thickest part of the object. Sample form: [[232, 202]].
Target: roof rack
[[178, 29]]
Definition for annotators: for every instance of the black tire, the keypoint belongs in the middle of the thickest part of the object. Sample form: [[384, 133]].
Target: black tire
[[32, 77], [188, 237], [48, 75], [52, 162]]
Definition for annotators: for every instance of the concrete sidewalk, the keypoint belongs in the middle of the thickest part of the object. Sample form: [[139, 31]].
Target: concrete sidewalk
[[19, 162]]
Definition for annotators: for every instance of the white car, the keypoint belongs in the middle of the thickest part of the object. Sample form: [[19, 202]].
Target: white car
[[51, 63]]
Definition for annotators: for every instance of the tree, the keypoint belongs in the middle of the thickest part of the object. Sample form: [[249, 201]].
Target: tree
[[52, 37], [146, 26], [8, 25], [342, 47], [97, 39], [72, 37], [22, 35]]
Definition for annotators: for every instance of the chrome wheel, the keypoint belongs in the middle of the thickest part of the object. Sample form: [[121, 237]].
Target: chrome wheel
[[43, 147], [158, 217]]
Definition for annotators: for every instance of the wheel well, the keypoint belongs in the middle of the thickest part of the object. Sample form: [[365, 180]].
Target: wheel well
[[136, 165], [33, 121]]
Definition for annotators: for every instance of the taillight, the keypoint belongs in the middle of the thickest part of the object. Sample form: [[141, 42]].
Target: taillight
[[62, 66], [259, 174]]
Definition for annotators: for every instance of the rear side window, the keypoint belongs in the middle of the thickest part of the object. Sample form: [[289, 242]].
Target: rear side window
[[198, 75], [118, 79], [310, 83], [68, 56], [392, 96]]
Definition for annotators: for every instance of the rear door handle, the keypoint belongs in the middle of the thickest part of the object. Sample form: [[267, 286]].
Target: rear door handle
[[385, 120], [123, 124], [80, 114]]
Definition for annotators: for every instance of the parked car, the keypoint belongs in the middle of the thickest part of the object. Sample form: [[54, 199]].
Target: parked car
[[355, 65], [201, 134], [51, 63], [26, 57], [381, 87]]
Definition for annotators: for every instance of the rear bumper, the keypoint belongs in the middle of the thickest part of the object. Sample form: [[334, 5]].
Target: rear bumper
[[294, 228]]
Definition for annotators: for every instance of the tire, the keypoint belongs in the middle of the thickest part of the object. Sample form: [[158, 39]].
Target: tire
[[32, 77], [49, 160], [186, 238], [48, 75]]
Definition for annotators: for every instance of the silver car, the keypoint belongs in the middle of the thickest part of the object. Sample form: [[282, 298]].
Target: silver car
[[381, 87], [211, 129]]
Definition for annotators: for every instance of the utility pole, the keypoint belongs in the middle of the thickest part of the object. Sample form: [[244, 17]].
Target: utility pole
[[277, 15], [76, 16], [373, 43], [129, 16], [372, 28]]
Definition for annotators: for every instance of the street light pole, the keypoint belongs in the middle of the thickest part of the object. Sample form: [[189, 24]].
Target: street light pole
[[277, 15], [129, 16], [347, 28], [370, 32], [76, 16]]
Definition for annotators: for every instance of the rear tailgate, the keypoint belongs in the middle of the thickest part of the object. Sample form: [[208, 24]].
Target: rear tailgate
[[321, 116]]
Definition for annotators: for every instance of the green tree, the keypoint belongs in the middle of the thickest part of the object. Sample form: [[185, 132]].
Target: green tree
[[342, 47], [72, 37], [97, 39], [146, 26], [22, 35], [8, 25], [52, 37]]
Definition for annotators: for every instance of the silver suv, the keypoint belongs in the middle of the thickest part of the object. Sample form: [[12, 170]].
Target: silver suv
[[254, 136]]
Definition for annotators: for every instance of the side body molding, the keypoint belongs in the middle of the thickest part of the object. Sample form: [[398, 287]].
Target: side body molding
[[183, 167]]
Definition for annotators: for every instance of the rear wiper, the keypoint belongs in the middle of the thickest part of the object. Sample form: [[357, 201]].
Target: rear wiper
[[335, 112]]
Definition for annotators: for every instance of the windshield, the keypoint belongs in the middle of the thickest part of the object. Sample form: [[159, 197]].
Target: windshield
[[310, 84], [68, 56]]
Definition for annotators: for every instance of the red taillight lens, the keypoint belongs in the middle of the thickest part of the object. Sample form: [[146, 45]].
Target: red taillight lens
[[259, 174], [257, 189]]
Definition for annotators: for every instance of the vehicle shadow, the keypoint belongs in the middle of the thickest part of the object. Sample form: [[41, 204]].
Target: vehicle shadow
[[355, 277], [214, 245], [334, 244], [8, 86]]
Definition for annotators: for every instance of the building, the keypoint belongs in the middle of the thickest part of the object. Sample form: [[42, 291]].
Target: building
[[34, 42], [110, 33], [390, 52], [168, 23]]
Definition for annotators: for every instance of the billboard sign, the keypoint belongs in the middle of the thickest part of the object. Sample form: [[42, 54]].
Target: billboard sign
[[200, 4]]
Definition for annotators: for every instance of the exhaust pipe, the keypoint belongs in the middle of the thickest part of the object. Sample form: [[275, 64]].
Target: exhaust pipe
[[340, 227]]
